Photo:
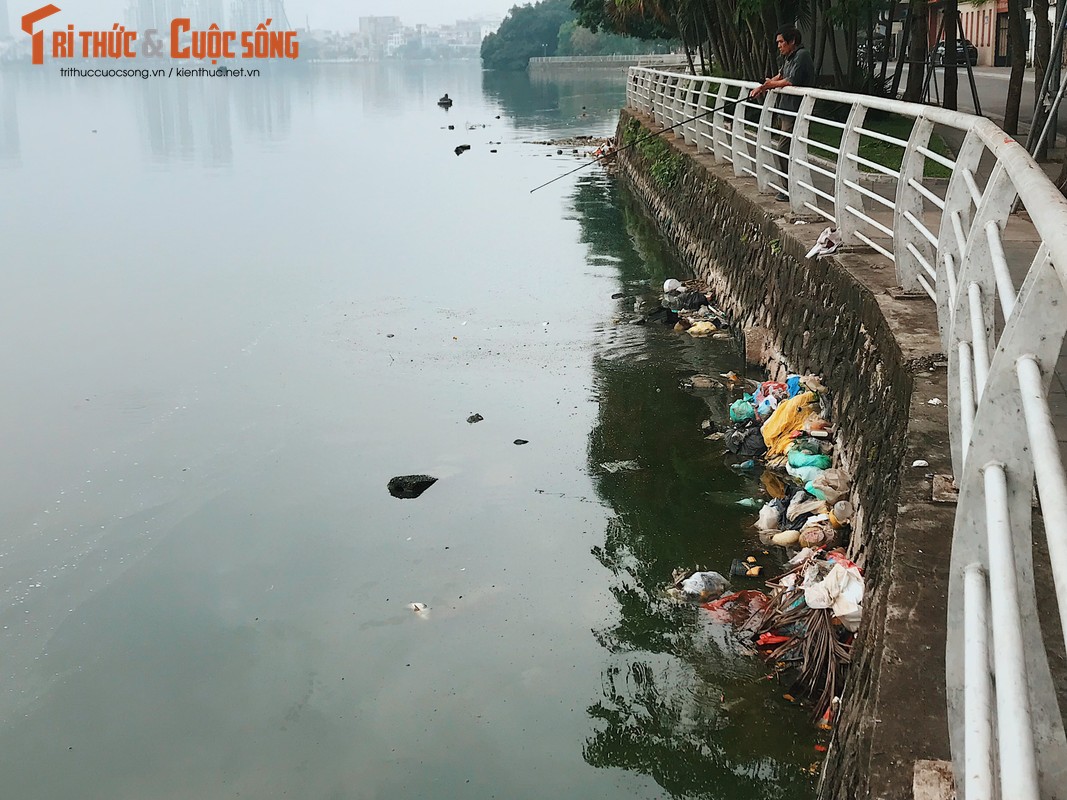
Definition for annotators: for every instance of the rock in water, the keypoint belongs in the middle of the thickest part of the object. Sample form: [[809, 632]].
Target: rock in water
[[410, 486], [475, 418]]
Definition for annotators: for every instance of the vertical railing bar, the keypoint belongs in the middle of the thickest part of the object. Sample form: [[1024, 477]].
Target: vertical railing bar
[[972, 187], [978, 702], [1005, 287], [1015, 730], [950, 279], [957, 229], [979, 340], [1050, 474], [967, 406]]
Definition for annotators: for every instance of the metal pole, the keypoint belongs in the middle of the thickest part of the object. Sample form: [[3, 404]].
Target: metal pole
[[977, 688], [1055, 56], [1015, 729], [1050, 120]]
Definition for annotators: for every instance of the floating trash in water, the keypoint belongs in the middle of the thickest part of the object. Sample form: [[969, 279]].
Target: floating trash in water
[[620, 466], [408, 487]]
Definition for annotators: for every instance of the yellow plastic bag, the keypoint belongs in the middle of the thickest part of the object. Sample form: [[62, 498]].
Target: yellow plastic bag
[[701, 329], [789, 417]]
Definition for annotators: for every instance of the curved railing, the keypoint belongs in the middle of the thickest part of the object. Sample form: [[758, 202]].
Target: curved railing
[[988, 244]]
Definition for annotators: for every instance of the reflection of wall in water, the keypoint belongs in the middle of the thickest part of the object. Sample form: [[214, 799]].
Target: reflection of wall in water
[[264, 105], [9, 120], [183, 119]]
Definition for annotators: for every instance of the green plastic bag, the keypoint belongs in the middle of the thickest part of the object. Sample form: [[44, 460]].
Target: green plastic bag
[[742, 410], [798, 458]]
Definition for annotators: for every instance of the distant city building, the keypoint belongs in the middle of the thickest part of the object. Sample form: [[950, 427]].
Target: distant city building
[[245, 15], [144, 14], [206, 12], [379, 29]]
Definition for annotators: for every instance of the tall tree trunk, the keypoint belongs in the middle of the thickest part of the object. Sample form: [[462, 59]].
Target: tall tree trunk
[[869, 60], [892, 15], [917, 48], [952, 79], [819, 45], [1042, 53], [1017, 55]]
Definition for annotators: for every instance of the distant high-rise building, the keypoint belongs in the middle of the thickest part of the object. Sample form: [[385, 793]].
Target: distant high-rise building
[[206, 12], [378, 30], [145, 14], [5, 29], [245, 15]]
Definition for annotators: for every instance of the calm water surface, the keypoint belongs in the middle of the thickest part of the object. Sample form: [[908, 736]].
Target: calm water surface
[[231, 311]]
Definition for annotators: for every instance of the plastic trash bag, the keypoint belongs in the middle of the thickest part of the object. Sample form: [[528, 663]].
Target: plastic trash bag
[[798, 458], [787, 418], [745, 442], [805, 475], [832, 486], [769, 518], [817, 532], [703, 586], [842, 592], [803, 503], [742, 410], [701, 329]]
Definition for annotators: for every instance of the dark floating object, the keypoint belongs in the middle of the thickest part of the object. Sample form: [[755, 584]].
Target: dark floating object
[[410, 486], [498, 116], [463, 148], [475, 418], [559, 152], [451, 127], [445, 102], [521, 441], [493, 150], [618, 296]]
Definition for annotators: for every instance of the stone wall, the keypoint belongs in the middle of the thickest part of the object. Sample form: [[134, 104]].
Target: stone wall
[[878, 356]]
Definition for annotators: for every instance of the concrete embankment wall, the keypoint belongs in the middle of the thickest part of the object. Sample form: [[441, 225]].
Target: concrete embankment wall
[[880, 359]]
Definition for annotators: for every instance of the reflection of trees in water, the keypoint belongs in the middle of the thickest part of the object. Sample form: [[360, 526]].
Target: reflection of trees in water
[[561, 99], [614, 228], [680, 703]]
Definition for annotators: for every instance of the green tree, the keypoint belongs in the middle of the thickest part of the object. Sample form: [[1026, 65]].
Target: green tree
[[527, 32]]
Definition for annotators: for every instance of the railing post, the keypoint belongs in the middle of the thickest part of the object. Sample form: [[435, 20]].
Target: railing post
[[718, 120], [737, 139], [703, 125], [910, 201], [798, 153], [849, 170], [763, 141]]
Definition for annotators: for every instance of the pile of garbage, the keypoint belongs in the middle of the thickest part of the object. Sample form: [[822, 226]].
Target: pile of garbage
[[805, 625]]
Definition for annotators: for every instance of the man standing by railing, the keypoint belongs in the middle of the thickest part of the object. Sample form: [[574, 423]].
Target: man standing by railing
[[797, 70]]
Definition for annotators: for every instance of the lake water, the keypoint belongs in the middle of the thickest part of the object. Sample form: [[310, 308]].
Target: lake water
[[231, 311]]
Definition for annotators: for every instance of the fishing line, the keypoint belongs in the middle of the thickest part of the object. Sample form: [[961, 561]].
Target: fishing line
[[644, 138]]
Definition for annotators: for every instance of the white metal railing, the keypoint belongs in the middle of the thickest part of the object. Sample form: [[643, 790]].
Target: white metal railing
[[1002, 313]]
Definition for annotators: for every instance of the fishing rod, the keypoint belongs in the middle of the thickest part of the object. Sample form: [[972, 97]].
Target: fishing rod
[[644, 138]]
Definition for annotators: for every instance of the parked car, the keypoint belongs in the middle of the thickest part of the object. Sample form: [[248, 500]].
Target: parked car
[[964, 51]]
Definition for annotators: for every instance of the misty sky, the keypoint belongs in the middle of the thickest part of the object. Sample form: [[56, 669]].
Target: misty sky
[[330, 14]]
